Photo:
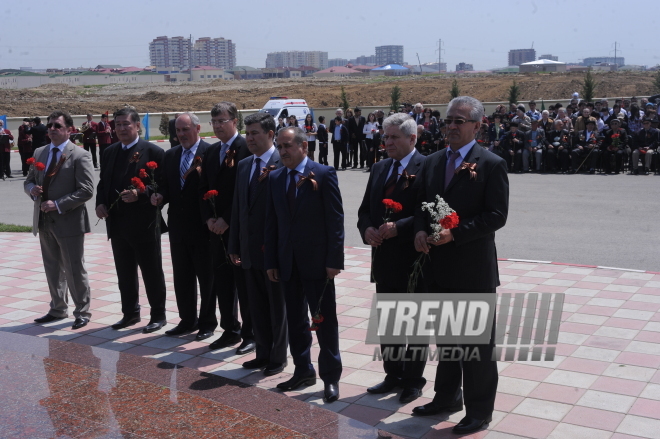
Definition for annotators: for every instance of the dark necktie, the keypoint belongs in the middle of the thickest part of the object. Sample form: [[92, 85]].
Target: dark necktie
[[185, 164], [254, 180], [451, 167], [51, 166], [291, 190], [390, 184]]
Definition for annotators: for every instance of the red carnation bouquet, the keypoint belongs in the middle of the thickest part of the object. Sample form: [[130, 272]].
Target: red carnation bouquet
[[137, 184], [391, 207], [210, 197], [151, 175], [37, 165], [443, 217], [317, 317]]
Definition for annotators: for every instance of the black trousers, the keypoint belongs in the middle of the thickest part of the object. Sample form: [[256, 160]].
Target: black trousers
[[616, 156], [91, 147], [5, 165], [408, 366], [371, 152], [323, 153], [228, 292], [479, 377], [340, 148], [582, 157], [191, 263], [506, 155], [129, 255], [564, 159], [268, 312], [25, 168]]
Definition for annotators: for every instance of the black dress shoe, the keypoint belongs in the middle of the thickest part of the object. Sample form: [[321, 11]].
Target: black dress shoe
[[257, 363], [470, 425], [154, 325], [125, 322], [47, 318], [80, 322], [203, 335], [331, 392], [181, 329], [433, 408], [246, 347], [227, 338], [274, 368], [384, 387], [297, 380], [409, 394]]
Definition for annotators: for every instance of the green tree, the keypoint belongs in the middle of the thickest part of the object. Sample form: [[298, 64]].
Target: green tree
[[240, 125], [656, 82], [455, 90], [514, 93], [164, 124], [344, 99], [395, 95], [589, 86]]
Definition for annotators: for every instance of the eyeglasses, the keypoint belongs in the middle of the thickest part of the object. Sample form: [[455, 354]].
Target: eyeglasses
[[219, 121], [55, 125], [457, 121]]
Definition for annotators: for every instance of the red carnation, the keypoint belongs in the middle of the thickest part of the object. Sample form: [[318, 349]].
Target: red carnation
[[30, 161], [152, 165], [210, 194], [40, 166], [317, 318], [143, 173], [450, 221], [391, 204], [313, 327], [137, 184]]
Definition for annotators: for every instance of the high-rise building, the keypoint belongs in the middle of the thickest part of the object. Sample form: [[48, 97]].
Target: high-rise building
[[550, 57], [170, 54], [364, 60], [463, 67], [389, 55], [296, 59], [215, 52], [337, 62], [592, 61], [520, 56]]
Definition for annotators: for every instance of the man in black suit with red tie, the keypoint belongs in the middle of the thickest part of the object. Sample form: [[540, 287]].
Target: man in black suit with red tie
[[464, 260], [131, 221], [219, 174], [392, 242], [189, 236], [246, 245]]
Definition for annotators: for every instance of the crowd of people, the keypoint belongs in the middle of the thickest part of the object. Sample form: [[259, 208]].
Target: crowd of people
[[255, 221]]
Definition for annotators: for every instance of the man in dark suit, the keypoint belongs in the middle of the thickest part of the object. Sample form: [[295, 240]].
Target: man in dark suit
[[355, 128], [246, 245], [189, 236], [38, 131], [304, 246], [340, 138], [584, 156], [131, 221], [463, 260], [171, 128], [392, 242], [89, 130], [59, 193], [219, 173]]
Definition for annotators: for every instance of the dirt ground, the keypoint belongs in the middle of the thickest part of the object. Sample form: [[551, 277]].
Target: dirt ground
[[319, 93]]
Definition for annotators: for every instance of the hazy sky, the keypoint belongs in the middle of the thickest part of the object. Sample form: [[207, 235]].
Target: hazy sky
[[42, 34]]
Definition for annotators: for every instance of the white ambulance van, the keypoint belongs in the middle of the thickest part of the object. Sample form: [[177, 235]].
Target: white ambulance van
[[282, 106]]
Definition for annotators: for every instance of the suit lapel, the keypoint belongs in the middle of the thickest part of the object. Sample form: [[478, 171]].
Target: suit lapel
[[304, 188], [438, 176], [274, 161], [176, 165], [379, 180], [473, 156]]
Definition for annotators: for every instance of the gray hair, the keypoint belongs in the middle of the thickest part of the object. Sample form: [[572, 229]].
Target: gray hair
[[419, 105], [405, 123], [545, 112], [193, 117], [476, 108], [299, 135], [228, 107]]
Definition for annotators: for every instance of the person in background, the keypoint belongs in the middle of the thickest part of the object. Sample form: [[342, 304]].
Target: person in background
[[370, 128], [104, 134], [310, 130], [322, 138], [24, 145], [171, 128], [6, 140], [90, 130]]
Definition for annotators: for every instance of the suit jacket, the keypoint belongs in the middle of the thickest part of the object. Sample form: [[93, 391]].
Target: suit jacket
[[393, 259], [344, 135], [331, 129], [222, 178], [171, 129], [313, 234], [645, 138], [507, 143], [138, 217], [184, 212], [356, 128], [39, 134], [89, 135], [70, 188], [248, 216], [104, 137], [482, 205], [541, 142]]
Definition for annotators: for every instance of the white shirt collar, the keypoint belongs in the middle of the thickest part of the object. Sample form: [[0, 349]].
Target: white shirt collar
[[265, 157], [404, 161], [60, 147], [130, 144], [193, 148], [463, 151], [300, 168], [230, 140]]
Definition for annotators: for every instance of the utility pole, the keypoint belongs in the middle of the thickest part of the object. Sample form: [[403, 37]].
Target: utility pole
[[419, 63], [439, 49], [616, 66], [190, 57]]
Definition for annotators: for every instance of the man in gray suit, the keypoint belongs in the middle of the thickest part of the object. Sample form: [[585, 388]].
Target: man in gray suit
[[60, 190], [246, 242]]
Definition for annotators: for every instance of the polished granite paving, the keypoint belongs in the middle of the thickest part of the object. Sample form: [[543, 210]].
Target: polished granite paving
[[603, 383]]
